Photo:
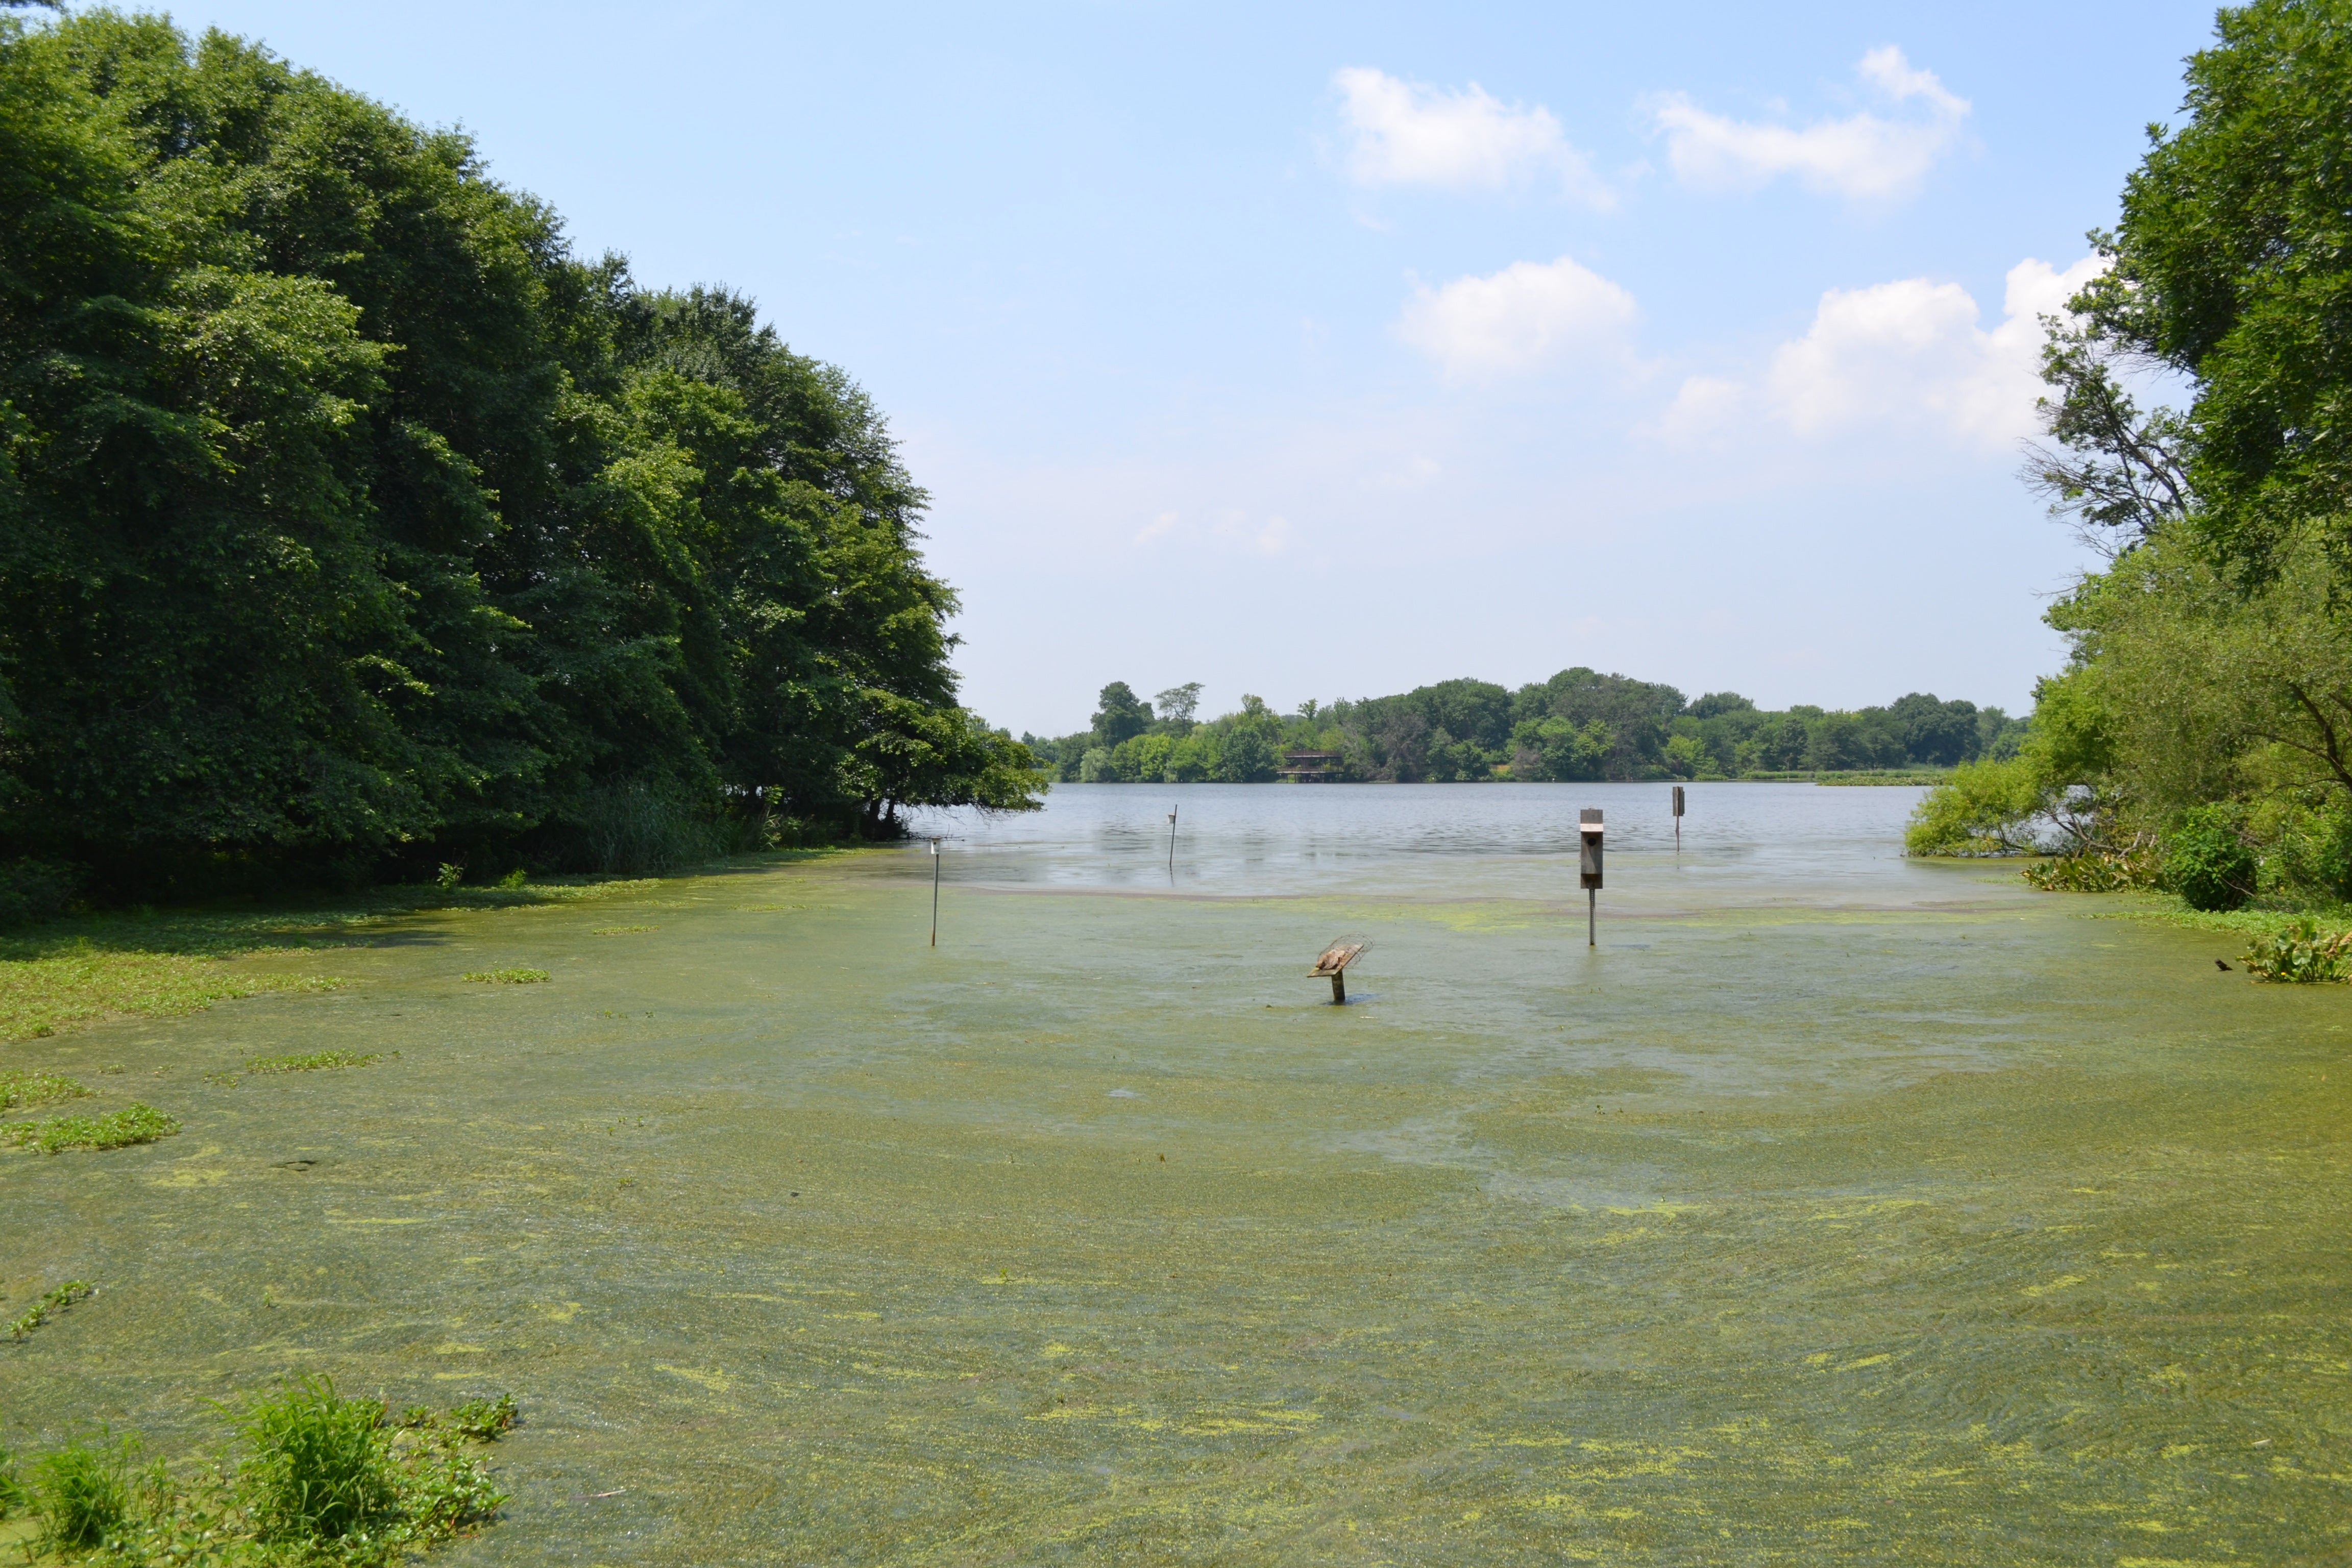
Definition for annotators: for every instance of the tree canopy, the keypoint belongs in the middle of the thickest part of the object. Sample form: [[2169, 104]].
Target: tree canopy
[[2209, 686], [348, 520]]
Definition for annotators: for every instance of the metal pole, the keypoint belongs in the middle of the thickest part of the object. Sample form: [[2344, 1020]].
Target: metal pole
[[1592, 917], [1171, 841], [935, 892]]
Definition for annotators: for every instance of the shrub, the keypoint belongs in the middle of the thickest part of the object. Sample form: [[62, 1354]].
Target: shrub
[[320, 1467], [34, 890], [2300, 954], [1980, 808], [115, 1130], [2207, 861], [2088, 871], [85, 1492]]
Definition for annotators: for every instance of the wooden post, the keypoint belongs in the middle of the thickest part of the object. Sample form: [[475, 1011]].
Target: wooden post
[[1340, 987], [1171, 841], [935, 892], [1678, 819]]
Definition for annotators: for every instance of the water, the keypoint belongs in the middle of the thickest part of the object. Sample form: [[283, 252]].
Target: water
[[1833, 1209]]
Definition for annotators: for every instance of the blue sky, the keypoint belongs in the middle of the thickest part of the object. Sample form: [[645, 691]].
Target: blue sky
[[1322, 351]]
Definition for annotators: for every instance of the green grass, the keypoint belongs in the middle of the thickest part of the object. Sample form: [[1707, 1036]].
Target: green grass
[[507, 976], [320, 1465], [49, 1306], [82, 1492], [114, 1130], [318, 1479], [312, 1061], [37, 1089]]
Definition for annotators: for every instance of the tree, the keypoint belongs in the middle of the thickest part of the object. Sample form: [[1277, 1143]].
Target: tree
[[1117, 715], [1178, 704]]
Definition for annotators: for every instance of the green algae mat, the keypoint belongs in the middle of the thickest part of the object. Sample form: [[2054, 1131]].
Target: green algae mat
[[1833, 1209]]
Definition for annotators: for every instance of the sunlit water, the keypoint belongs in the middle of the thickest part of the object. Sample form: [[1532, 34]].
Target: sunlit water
[[1833, 1208]]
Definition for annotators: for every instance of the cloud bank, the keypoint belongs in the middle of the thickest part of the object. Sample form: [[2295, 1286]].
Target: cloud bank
[[1862, 157], [1407, 134], [1524, 318], [1906, 355]]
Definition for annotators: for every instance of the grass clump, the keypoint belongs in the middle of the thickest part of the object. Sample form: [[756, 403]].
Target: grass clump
[[319, 1479], [37, 1089], [82, 1492], [49, 1306], [15, 1495], [506, 976], [2301, 952], [319, 1466], [115, 1130], [312, 1061]]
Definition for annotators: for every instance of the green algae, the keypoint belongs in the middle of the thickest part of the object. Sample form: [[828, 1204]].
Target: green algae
[[1899, 1218]]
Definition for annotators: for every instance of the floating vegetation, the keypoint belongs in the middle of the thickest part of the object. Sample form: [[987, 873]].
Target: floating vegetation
[[49, 1306], [115, 1130], [2301, 953], [321, 1479], [484, 1420], [37, 1089], [506, 976], [312, 1061], [619, 931]]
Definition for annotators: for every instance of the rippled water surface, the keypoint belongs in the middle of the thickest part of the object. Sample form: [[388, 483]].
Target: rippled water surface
[[1834, 1207]]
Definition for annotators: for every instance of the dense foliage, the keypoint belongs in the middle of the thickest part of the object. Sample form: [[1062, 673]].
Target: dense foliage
[[349, 521], [1578, 725], [2200, 735]]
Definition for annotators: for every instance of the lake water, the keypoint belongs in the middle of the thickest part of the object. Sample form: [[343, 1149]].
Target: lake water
[[1834, 1207]]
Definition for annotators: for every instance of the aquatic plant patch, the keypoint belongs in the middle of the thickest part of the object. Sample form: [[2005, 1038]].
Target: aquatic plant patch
[[506, 976], [2302, 953], [619, 931], [37, 1089], [312, 1061], [114, 1130], [49, 1307], [39, 996]]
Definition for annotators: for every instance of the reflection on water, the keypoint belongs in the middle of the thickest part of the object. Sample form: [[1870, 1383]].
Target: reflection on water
[[1835, 1209]]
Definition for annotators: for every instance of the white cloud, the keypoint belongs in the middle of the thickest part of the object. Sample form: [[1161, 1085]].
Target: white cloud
[[1410, 134], [1912, 352], [1516, 320], [1163, 524], [1863, 157]]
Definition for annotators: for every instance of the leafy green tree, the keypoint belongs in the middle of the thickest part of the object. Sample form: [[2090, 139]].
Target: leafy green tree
[[1119, 715]]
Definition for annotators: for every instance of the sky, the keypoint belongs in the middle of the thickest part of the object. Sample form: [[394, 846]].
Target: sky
[[1324, 352]]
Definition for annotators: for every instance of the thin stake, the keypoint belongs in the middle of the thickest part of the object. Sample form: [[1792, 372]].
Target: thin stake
[[935, 892], [1171, 841]]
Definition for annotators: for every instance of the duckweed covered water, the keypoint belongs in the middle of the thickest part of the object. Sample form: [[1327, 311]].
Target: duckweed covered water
[[1836, 1208]]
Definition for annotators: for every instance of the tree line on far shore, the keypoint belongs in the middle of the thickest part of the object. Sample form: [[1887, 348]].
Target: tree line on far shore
[[1579, 725]]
